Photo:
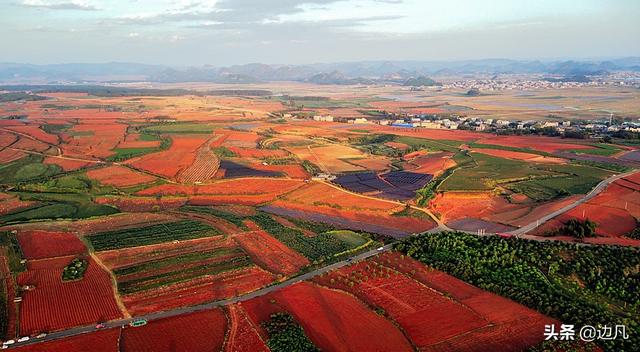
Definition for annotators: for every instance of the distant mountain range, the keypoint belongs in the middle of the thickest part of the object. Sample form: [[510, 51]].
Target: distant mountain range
[[364, 72]]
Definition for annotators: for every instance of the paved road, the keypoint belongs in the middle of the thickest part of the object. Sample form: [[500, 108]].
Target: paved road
[[594, 192], [171, 313]]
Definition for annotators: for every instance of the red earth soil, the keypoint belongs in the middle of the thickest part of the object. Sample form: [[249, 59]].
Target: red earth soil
[[31, 145], [10, 203], [426, 316], [270, 253], [137, 204], [44, 244], [405, 224], [36, 132], [205, 289], [250, 186], [101, 341], [317, 194], [293, 171], [539, 143], [114, 222], [512, 327], [431, 163], [9, 155], [120, 176], [257, 153], [333, 320], [55, 305], [178, 157], [232, 199], [119, 258], [243, 335], [196, 332], [66, 164], [519, 156], [94, 140], [6, 139], [132, 141]]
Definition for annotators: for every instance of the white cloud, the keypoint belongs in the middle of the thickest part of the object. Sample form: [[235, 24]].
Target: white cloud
[[60, 5]]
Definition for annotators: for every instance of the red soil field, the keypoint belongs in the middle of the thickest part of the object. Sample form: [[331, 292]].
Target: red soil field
[[6, 139], [455, 135], [36, 132], [430, 163], [205, 289], [317, 193], [270, 253], [137, 204], [383, 222], [44, 244], [55, 305], [251, 186], [132, 141], [100, 341], [196, 332], [178, 157], [232, 199], [482, 205], [512, 327], [94, 139], [520, 156], [293, 171], [31, 145], [425, 315], [203, 168], [120, 176], [243, 335], [257, 153], [333, 320], [10, 203], [66, 164], [9, 155], [119, 258], [112, 222], [539, 143]]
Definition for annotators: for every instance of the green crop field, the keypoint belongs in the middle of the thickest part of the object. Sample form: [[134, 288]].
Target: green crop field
[[179, 128], [27, 169], [485, 172], [570, 179], [317, 248], [153, 234]]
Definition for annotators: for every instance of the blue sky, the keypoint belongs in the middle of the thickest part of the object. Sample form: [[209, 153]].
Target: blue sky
[[223, 32]]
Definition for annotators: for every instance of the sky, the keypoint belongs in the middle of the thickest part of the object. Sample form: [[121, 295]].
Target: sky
[[227, 32]]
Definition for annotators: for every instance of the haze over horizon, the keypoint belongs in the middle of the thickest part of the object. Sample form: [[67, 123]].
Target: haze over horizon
[[226, 32]]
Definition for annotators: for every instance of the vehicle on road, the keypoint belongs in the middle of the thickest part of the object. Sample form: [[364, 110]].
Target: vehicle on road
[[100, 326], [9, 342], [138, 322], [380, 249], [41, 335], [24, 339]]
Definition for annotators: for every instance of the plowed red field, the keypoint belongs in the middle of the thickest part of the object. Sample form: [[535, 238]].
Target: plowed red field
[[205, 289], [55, 305], [36, 132], [66, 164], [44, 244], [543, 144], [10, 203], [512, 327], [270, 253], [243, 335], [426, 315], [252, 186], [333, 320], [196, 332], [178, 157], [9, 155], [120, 176]]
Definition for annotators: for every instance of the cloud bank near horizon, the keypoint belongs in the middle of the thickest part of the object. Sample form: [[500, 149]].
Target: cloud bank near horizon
[[223, 32]]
